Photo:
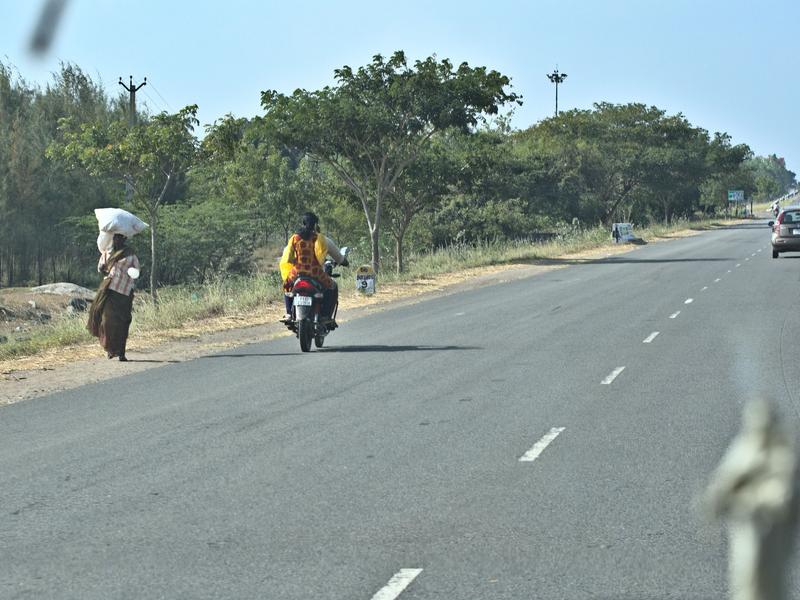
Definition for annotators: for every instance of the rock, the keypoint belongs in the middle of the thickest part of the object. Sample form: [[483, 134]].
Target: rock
[[3, 339], [78, 304], [6, 313], [33, 304], [64, 289]]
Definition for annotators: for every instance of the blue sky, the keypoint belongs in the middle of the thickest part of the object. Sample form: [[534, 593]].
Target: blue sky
[[726, 65]]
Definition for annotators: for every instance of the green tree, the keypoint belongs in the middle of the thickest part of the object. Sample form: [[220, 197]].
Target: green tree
[[420, 187], [771, 176], [149, 156], [37, 194], [376, 121]]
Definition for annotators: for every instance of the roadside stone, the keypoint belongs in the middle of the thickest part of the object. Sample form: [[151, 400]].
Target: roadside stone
[[3, 339], [64, 289], [78, 304]]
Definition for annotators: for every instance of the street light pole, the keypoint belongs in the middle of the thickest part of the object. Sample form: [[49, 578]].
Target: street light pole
[[557, 78]]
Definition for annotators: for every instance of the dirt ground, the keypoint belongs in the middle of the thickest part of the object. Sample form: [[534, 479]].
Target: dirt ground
[[74, 366]]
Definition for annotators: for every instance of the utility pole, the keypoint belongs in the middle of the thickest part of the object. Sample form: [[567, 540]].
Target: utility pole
[[131, 89], [557, 78]]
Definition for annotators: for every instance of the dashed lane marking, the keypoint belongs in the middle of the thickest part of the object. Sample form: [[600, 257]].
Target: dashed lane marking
[[612, 376], [717, 280], [705, 287], [674, 315], [688, 301], [738, 265], [650, 337], [397, 584], [532, 454]]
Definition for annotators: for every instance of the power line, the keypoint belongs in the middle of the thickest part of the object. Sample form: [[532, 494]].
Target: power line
[[152, 101], [160, 96]]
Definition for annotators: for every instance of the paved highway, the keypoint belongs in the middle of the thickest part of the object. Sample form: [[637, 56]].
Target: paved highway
[[542, 438]]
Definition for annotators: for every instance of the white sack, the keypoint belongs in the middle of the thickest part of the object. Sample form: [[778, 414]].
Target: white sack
[[133, 273], [116, 220], [105, 241]]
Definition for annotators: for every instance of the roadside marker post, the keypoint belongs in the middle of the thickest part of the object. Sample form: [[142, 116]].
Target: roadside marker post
[[365, 280]]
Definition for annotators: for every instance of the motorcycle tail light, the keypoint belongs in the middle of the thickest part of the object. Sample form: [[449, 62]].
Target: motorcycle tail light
[[304, 287]]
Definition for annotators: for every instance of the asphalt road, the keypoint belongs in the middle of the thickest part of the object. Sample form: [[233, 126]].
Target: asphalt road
[[387, 465]]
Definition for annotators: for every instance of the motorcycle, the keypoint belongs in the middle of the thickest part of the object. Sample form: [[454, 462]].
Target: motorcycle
[[307, 299]]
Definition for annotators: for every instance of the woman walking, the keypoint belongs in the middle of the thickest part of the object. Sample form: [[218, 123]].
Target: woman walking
[[110, 314]]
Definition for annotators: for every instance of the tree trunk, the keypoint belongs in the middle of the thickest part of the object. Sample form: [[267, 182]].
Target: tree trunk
[[39, 266], [153, 226], [374, 237], [399, 236], [398, 243]]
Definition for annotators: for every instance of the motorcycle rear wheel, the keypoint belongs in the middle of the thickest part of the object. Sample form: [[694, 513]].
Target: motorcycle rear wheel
[[305, 331]]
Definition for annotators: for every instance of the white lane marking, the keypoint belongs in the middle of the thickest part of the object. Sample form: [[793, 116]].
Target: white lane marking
[[532, 454], [717, 280], [397, 584], [760, 249], [461, 314], [748, 258], [650, 337], [705, 287], [753, 254], [739, 265], [674, 315], [688, 301], [729, 271], [612, 376]]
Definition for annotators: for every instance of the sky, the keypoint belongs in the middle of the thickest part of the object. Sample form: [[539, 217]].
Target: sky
[[725, 65]]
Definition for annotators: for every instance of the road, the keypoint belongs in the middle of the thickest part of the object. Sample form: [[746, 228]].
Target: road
[[541, 438]]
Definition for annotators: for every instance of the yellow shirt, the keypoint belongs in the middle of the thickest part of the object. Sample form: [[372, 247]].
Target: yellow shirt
[[288, 259]]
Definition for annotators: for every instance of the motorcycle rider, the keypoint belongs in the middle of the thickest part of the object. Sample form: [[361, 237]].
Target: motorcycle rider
[[305, 254]]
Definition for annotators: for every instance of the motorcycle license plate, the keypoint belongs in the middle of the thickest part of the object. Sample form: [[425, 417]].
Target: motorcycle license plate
[[796, 231], [303, 300]]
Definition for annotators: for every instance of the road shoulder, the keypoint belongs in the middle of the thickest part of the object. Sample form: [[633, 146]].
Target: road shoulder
[[74, 366]]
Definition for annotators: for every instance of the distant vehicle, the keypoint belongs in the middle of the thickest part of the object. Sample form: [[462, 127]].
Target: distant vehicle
[[786, 231]]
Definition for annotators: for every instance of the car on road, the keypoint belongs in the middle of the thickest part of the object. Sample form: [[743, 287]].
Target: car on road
[[786, 231]]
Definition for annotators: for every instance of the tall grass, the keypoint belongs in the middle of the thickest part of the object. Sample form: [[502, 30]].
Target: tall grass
[[179, 305]]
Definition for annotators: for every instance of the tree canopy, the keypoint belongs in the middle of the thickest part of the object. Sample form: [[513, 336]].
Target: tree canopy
[[397, 157], [378, 119]]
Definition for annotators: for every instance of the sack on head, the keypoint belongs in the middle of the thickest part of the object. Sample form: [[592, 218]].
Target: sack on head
[[117, 220]]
